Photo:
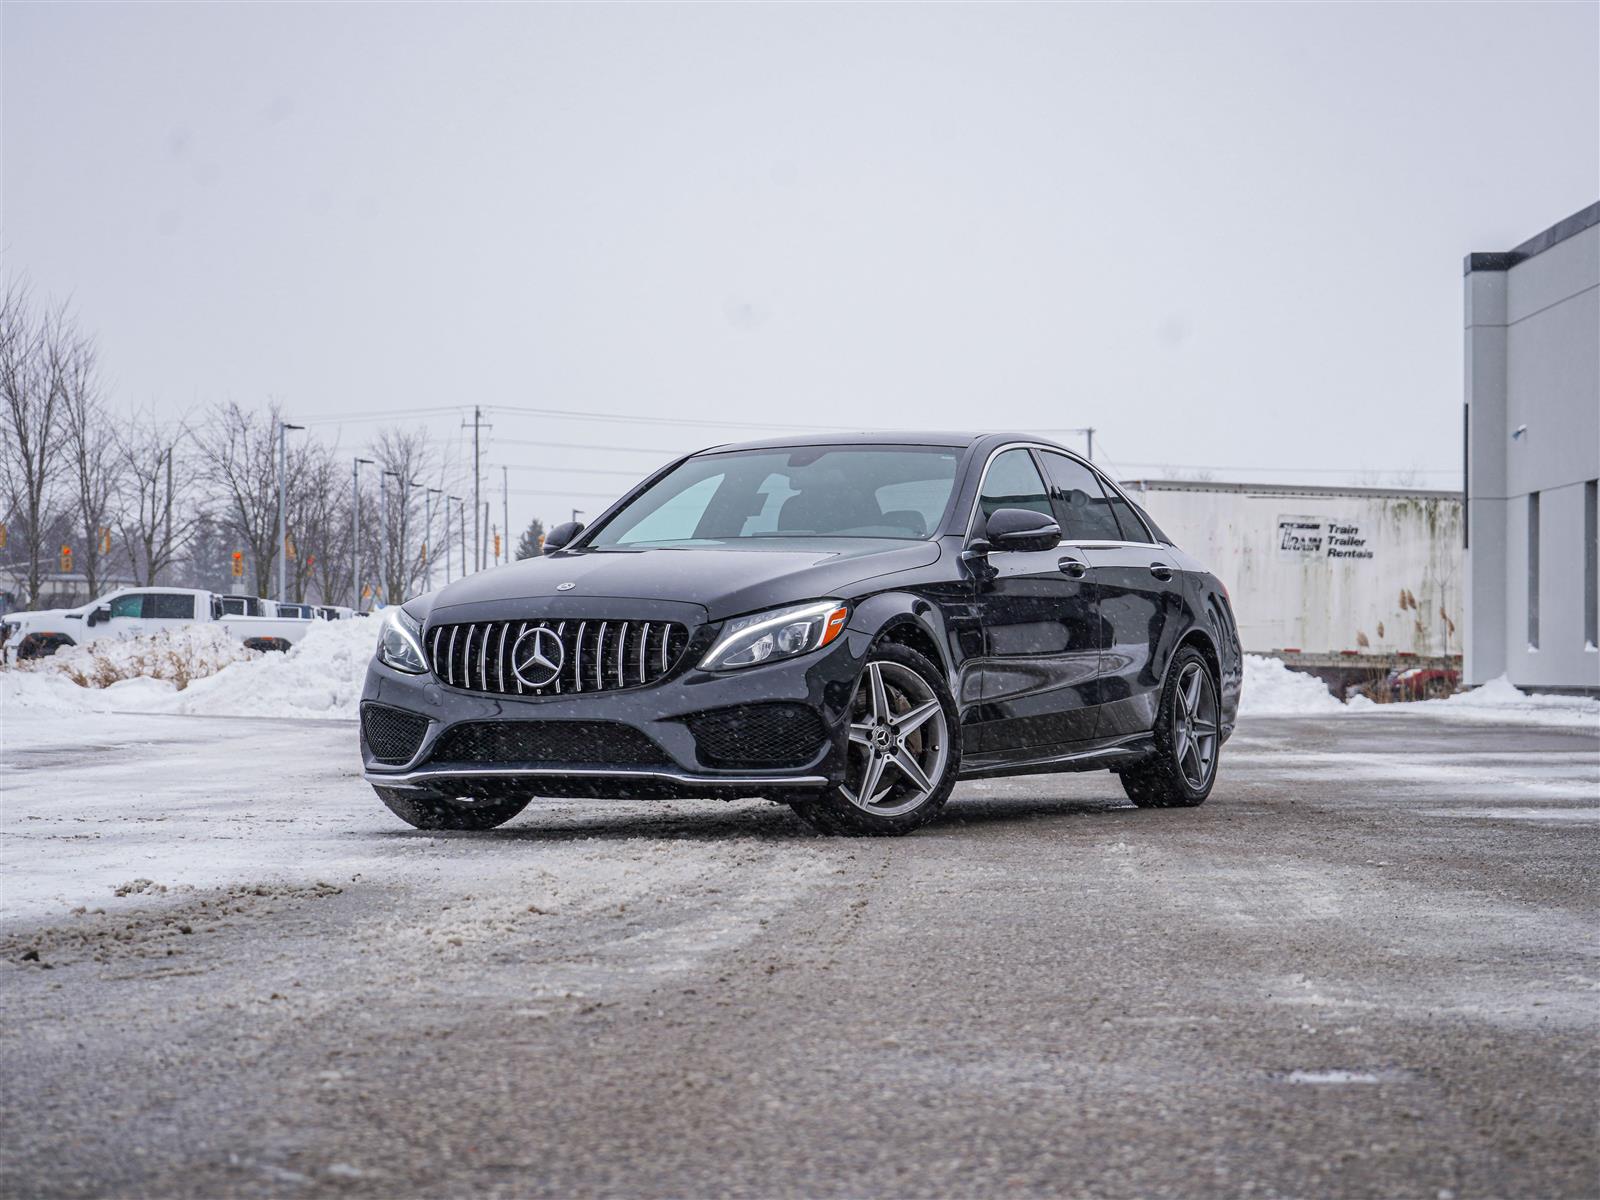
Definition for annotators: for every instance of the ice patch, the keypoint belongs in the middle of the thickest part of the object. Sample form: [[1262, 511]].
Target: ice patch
[[1335, 1076], [1518, 814]]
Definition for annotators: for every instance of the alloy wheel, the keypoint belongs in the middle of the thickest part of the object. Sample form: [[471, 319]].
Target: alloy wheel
[[899, 741], [1194, 726]]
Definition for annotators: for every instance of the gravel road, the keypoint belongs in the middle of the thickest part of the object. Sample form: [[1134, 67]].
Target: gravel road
[[1367, 967]]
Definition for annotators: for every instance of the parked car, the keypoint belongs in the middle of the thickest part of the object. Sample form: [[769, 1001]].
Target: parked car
[[1422, 683], [132, 611], [844, 624]]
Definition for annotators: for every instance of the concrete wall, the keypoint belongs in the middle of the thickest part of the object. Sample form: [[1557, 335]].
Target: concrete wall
[[1533, 361]]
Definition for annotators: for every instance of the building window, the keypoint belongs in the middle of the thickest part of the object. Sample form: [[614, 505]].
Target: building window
[[1591, 564], [1533, 570]]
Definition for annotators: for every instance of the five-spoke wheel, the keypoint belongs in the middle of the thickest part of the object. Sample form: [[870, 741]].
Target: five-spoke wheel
[[902, 752], [1188, 735]]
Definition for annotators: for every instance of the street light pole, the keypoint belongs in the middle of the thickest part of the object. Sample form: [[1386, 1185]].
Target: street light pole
[[383, 550], [461, 512], [355, 533], [283, 511], [427, 537]]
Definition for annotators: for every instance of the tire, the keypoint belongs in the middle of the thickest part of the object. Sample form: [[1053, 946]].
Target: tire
[[891, 724], [430, 810], [1183, 769]]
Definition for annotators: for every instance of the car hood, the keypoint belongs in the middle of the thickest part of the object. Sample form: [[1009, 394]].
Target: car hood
[[724, 581], [37, 616]]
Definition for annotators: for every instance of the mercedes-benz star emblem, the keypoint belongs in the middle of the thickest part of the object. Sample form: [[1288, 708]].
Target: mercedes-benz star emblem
[[565, 587], [537, 657]]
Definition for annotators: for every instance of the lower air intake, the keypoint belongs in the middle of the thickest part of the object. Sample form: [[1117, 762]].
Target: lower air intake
[[607, 743], [393, 734], [758, 736]]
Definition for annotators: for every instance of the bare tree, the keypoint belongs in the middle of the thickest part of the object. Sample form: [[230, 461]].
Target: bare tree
[[238, 453], [314, 508], [31, 434], [94, 465], [404, 460], [156, 513]]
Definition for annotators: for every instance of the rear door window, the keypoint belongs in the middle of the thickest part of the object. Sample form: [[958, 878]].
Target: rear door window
[[1082, 507], [168, 606]]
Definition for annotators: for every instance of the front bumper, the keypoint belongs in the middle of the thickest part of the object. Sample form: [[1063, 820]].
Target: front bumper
[[664, 713]]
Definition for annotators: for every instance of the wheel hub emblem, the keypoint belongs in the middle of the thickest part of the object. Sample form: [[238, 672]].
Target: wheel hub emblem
[[537, 657]]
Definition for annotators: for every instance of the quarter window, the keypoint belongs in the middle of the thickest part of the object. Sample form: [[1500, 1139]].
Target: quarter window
[[1133, 529], [1083, 510], [1013, 482]]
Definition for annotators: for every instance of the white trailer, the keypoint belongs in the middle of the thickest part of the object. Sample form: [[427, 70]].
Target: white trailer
[[1329, 577]]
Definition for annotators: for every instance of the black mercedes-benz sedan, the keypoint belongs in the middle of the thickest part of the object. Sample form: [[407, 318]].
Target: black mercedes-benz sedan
[[845, 624]]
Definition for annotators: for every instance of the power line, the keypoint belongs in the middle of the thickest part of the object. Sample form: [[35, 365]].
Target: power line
[[564, 492], [567, 470], [505, 441], [631, 418], [1172, 466]]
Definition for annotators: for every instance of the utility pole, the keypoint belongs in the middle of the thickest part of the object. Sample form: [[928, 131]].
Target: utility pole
[[576, 513], [483, 548], [461, 514], [1089, 433], [168, 522], [505, 509], [477, 488], [283, 511], [355, 533]]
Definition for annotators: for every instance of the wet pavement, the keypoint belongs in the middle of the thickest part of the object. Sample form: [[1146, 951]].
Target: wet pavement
[[1369, 965]]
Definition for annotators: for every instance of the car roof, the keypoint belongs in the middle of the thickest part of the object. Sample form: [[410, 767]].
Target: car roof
[[883, 437]]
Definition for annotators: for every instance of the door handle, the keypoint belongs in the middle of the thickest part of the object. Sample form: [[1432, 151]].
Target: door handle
[[1073, 568], [1161, 571]]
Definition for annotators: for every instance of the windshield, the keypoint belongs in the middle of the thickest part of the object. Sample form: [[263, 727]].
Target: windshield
[[804, 492]]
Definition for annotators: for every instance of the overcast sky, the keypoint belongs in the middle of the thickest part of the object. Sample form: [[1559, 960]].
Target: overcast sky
[[1224, 235]]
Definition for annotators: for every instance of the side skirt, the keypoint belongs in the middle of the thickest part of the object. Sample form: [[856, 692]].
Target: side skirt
[[1099, 758]]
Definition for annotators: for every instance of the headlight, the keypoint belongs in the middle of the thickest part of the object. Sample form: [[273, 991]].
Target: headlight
[[400, 642], [780, 633]]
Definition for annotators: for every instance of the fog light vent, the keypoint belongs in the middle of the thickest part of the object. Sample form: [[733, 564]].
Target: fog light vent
[[393, 734], [758, 736]]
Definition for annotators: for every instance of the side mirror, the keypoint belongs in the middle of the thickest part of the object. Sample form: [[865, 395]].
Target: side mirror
[[1022, 529], [561, 535], [102, 613]]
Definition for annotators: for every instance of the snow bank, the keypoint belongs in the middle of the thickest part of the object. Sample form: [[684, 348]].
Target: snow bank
[[1272, 690], [320, 677], [178, 656]]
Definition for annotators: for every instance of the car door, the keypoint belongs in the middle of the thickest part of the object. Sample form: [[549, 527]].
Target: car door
[[126, 617], [1037, 609], [1141, 613]]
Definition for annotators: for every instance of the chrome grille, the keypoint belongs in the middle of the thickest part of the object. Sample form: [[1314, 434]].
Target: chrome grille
[[597, 656]]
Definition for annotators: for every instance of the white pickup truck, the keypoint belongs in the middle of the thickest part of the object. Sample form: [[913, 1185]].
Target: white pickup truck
[[132, 611]]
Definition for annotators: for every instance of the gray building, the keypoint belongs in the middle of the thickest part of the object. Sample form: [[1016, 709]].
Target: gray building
[[1533, 460]]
